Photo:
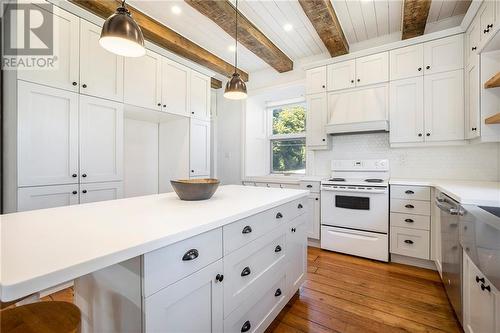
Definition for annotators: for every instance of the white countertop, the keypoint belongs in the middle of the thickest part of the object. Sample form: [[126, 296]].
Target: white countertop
[[463, 191], [43, 248]]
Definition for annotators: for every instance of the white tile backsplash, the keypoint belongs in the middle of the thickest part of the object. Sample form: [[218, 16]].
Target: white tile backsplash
[[466, 162]]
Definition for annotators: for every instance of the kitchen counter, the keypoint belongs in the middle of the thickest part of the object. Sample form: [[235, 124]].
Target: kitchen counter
[[280, 179], [43, 248], [466, 192]]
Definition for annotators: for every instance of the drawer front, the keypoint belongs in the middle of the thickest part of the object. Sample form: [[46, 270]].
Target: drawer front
[[256, 314], [311, 186], [248, 183], [410, 242], [247, 271], [171, 263], [411, 221], [411, 192], [242, 232], [411, 207]]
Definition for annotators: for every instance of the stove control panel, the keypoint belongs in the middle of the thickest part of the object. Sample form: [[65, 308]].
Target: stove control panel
[[360, 165]]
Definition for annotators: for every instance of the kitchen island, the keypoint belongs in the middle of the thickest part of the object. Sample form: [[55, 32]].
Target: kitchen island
[[139, 261]]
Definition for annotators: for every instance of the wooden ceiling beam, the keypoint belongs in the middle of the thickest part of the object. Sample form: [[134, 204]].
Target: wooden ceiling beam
[[222, 12], [163, 36], [415, 14], [325, 21], [215, 84]]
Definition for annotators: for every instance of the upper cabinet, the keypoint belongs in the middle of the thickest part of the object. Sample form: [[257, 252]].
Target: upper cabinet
[[174, 87], [472, 96], [472, 40], [317, 115], [445, 54], [199, 95], [341, 75], [407, 62], [199, 148], [486, 17], [66, 76], [316, 80]]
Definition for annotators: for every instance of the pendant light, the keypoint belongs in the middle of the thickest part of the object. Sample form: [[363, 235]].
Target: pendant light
[[235, 87], [121, 35]]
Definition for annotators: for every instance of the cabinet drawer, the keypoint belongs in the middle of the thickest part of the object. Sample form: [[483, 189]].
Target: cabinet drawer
[[258, 311], [410, 242], [242, 232], [411, 192], [410, 221], [171, 263], [411, 207], [247, 271], [311, 186]]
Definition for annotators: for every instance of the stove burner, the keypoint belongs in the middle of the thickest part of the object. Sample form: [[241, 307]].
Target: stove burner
[[337, 179], [373, 180]]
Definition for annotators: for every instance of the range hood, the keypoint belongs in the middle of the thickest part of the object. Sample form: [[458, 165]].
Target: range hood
[[357, 127]]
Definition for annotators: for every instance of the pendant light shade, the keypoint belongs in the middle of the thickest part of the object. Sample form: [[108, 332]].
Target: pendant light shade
[[235, 87], [121, 35]]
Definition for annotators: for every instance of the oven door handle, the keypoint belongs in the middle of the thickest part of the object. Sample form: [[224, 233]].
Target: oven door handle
[[381, 191]]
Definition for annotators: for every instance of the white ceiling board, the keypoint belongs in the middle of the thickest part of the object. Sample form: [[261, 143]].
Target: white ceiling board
[[444, 9]]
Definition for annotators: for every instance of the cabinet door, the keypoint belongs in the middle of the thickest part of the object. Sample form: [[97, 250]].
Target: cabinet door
[[313, 216], [407, 62], [100, 191], [316, 115], [444, 106], [341, 75], [372, 69], [199, 154], [199, 95], [101, 140], [445, 54], [29, 198], [296, 241], [472, 113], [66, 49], [406, 110], [174, 87], [316, 80], [472, 39], [486, 19], [194, 304], [142, 84], [47, 135], [101, 72]]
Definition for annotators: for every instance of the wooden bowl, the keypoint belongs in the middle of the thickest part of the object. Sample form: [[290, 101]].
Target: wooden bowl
[[195, 189]]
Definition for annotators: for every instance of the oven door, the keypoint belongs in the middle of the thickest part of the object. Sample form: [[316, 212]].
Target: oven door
[[355, 207]]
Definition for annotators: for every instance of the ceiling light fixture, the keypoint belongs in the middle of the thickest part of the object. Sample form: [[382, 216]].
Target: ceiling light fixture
[[176, 10], [235, 87], [288, 27], [121, 35], [231, 48]]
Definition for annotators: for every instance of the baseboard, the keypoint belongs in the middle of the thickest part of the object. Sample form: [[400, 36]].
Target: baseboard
[[313, 242], [422, 263]]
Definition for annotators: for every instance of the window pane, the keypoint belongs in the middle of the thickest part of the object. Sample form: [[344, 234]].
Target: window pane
[[289, 155], [290, 119]]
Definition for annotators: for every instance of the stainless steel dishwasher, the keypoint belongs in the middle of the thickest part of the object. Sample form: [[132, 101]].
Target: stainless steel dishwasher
[[451, 250]]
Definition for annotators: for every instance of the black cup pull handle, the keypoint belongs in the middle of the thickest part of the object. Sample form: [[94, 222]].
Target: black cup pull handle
[[409, 220], [246, 271], [246, 327], [190, 255], [409, 206], [279, 216], [247, 230], [408, 241], [277, 249], [299, 206], [478, 279], [409, 192], [309, 186], [277, 292], [483, 288]]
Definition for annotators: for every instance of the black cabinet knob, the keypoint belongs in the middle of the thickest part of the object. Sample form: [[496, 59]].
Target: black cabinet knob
[[352, 81], [84, 175], [219, 277], [427, 67], [309, 186], [317, 199], [408, 241], [419, 69], [246, 327], [246, 230], [419, 134], [359, 80], [190, 255], [164, 105], [74, 192], [74, 83], [474, 48], [192, 171], [323, 86], [277, 292], [74, 175], [483, 288], [428, 134], [299, 206], [84, 85], [159, 104], [84, 191], [478, 279], [277, 249], [246, 271], [409, 192], [279, 216], [323, 140], [409, 206], [409, 221], [192, 112]]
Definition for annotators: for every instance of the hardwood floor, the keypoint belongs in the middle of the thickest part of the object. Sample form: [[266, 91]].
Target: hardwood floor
[[349, 294]]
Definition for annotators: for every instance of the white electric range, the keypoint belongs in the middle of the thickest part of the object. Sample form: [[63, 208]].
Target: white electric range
[[355, 208]]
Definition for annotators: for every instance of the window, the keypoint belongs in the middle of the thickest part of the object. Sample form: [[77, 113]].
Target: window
[[288, 138]]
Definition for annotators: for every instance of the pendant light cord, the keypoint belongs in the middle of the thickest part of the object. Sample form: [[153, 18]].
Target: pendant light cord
[[236, 42]]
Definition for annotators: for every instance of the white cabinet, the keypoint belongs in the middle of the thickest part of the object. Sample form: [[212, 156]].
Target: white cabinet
[[199, 95], [316, 80], [445, 54], [407, 110], [472, 40], [296, 247], [39, 197], [47, 135], [313, 216], [486, 17], [407, 62], [66, 76], [481, 301], [174, 88], [199, 154], [101, 140], [317, 118], [472, 110], [444, 106], [142, 81], [94, 192], [341, 75], [101, 72], [372, 69], [194, 304]]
